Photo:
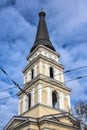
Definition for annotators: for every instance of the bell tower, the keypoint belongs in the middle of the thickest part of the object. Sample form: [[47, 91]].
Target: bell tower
[[43, 78]]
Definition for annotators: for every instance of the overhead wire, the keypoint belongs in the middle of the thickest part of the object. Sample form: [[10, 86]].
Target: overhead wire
[[63, 82], [7, 89], [80, 77], [68, 71], [50, 86], [16, 84], [77, 78], [8, 97]]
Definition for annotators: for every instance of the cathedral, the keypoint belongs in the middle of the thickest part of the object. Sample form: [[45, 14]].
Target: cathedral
[[44, 102]]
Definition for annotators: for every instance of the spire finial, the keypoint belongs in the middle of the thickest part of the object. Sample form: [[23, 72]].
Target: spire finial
[[42, 13], [42, 10]]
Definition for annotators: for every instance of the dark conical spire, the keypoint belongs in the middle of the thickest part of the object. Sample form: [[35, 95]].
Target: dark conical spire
[[42, 32], [42, 36]]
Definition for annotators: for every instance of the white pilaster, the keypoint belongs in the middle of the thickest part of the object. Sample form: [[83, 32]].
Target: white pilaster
[[24, 79], [46, 70], [25, 103], [43, 53], [19, 105], [32, 97], [68, 97], [39, 93], [56, 74], [49, 96], [40, 67], [61, 100], [62, 76], [29, 76], [35, 73]]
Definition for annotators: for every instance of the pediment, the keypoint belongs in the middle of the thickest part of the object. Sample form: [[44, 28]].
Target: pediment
[[70, 120], [15, 121], [66, 120]]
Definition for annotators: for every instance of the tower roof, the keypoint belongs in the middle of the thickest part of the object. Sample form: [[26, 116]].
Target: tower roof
[[42, 36]]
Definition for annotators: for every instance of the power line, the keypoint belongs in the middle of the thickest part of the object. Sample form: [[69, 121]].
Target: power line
[[81, 67], [7, 89], [17, 85], [50, 86], [77, 78], [80, 77], [68, 71], [8, 97]]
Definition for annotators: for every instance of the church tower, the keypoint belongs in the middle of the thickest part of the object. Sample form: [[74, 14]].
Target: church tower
[[43, 78], [44, 102]]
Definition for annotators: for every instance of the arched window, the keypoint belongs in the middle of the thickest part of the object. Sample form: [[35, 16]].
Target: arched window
[[32, 73], [55, 100], [51, 72], [29, 105]]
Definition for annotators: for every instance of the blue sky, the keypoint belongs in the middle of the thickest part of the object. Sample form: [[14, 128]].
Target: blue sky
[[67, 25]]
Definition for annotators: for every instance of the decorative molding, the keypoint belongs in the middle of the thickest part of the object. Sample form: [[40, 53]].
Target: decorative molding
[[45, 48], [45, 79], [44, 58]]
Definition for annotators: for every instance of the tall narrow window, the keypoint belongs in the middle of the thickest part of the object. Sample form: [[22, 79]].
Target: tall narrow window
[[51, 72], [55, 100], [29, 106], [32, 73]]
